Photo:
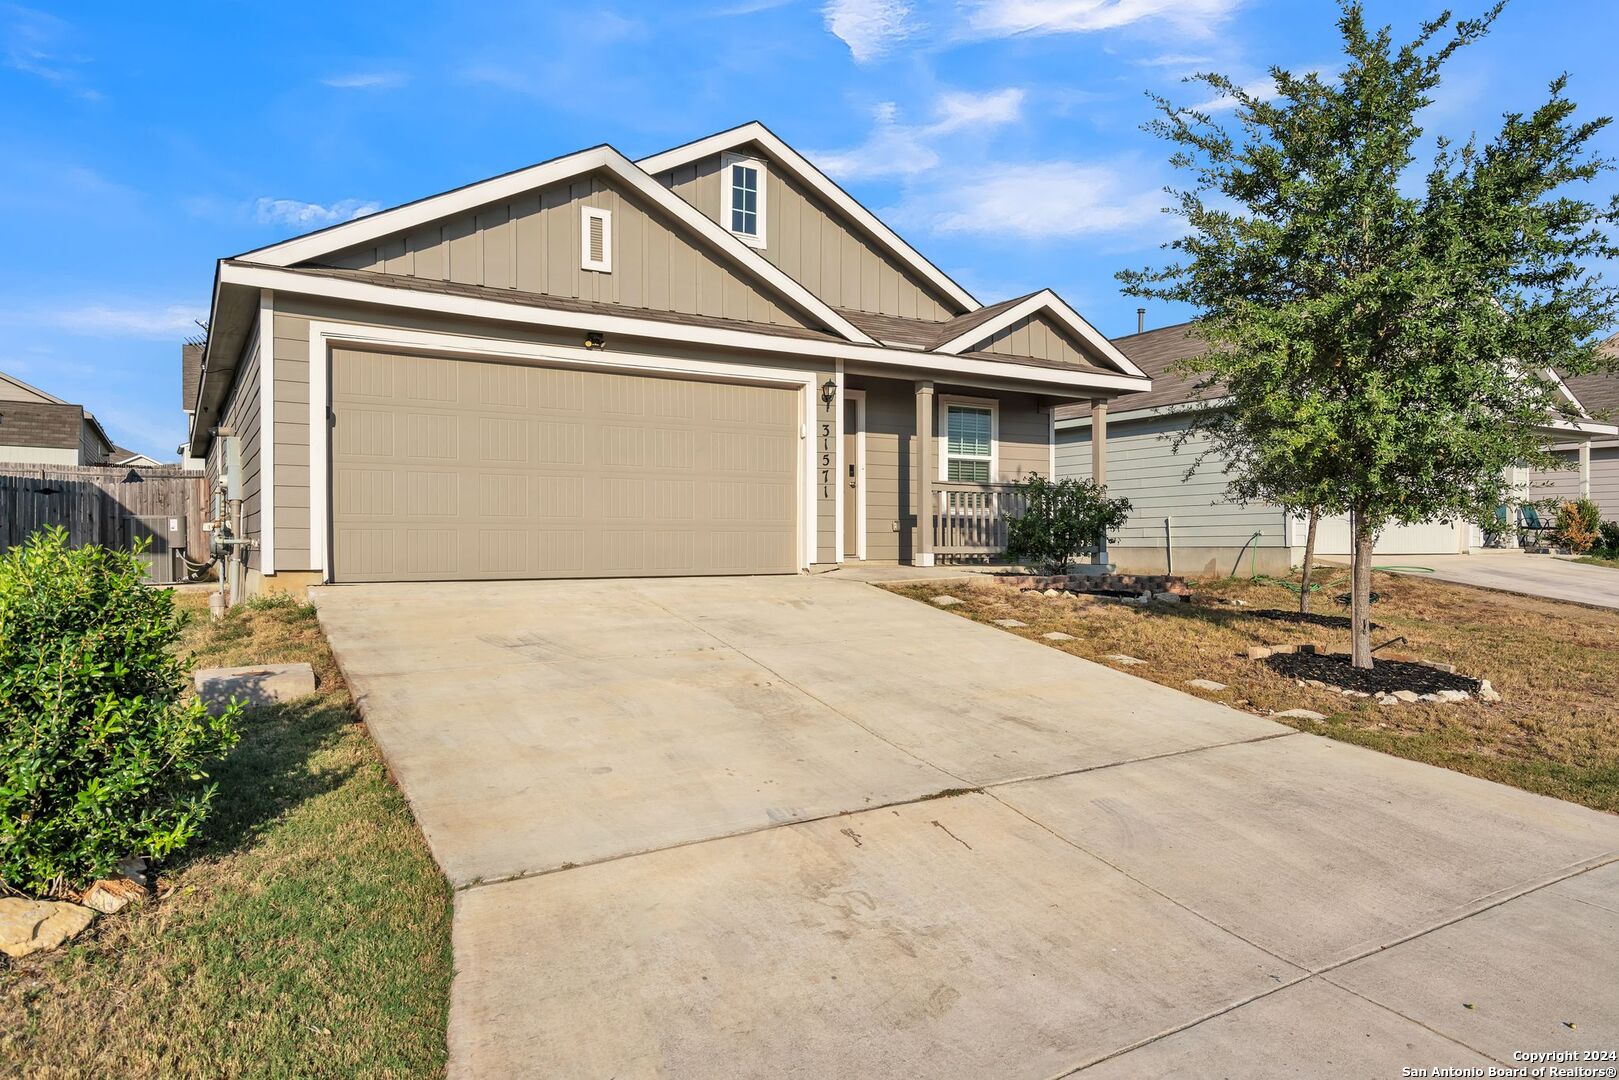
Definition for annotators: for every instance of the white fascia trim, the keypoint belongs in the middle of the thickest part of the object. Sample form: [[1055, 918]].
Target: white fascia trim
[[412, 215], [1115, 416], [1583, 427], [324, 335], [941, 431], [364, 292], [805, 172], [1047, 301], [267, 493]]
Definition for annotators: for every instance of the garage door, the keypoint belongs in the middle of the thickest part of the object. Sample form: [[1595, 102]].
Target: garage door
[[1428, 538], [463, 469]]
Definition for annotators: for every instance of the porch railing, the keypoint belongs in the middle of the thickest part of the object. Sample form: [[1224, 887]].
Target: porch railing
[[971, 519]]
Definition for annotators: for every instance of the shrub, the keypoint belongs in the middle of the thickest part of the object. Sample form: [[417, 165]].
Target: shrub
[[1063, 518], [99, 757], [1608, 538], [1577, 524]]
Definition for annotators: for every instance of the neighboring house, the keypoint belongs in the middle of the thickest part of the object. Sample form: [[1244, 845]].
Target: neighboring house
[[37, 428], [1593, 470], [709, 361], [120, 456], [1187, 523]]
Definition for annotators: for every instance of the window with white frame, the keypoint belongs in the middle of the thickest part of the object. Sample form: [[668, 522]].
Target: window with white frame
[[969, 452], [742, 182]]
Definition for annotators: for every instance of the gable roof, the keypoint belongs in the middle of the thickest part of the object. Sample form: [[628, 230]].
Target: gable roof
[[958, 339], [1599, 391], [50, 399], [823, 185], [335, 238]]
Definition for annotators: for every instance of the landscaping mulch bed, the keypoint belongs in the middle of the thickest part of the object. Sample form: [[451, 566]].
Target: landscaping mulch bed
[[1385, 676]]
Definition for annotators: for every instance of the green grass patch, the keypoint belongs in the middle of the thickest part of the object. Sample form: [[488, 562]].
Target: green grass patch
[[1599, 560], [308, 934]]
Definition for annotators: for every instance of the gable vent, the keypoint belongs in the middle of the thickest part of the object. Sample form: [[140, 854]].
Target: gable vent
[[596, 240]]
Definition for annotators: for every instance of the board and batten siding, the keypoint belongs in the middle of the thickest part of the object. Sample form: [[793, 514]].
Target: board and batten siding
[[1564, 484], [818, 247], [1142, 467], [241, 415], [1023, 445], [532, 244], [1036, 336]]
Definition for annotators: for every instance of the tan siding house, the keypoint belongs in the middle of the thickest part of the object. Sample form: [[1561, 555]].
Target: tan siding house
[[37, 428], [712, 361]]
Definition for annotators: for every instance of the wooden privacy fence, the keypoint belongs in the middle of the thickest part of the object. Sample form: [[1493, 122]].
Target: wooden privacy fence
[[110, 505]]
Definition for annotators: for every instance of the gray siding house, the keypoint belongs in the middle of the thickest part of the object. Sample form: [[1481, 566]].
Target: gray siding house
[[1187, 525], [709, 361], [37, 428]]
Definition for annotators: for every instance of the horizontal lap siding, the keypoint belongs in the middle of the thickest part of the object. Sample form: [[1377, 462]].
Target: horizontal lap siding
[[818, 247], [1023, 446], [1565, 484], [292, 442], [241, 415], [533, 244], [1142, 467]]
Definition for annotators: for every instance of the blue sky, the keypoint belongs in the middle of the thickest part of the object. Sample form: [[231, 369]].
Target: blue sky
[[139, 143]]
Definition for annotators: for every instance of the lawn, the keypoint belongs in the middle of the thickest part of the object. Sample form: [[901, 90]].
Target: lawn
[[1556, 731], [1599, 560], [308, 935]]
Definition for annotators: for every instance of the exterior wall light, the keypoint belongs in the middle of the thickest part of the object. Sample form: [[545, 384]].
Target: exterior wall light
[[595, 340], [829, 393]]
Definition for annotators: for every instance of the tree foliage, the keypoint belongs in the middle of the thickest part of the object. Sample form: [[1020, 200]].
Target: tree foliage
[[1061, 519], [1380, 336], [99, 757]]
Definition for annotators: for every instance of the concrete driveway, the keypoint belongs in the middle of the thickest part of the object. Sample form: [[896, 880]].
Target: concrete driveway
[[800, 827], [1545, 576]]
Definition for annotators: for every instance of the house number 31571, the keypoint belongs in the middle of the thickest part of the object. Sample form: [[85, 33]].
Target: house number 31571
[[826, 459]]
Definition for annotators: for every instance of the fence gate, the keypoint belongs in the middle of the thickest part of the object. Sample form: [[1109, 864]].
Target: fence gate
[[110, 505]]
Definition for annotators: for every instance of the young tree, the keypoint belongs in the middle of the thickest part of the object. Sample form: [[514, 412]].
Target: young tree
[[1385, 336]]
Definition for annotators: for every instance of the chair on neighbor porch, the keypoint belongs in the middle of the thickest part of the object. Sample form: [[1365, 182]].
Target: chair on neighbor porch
[[1532, 526]]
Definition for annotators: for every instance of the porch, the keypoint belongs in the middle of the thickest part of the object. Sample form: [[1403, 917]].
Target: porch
[[928, 473]]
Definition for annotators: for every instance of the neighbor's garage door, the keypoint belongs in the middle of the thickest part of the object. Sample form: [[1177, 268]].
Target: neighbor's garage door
[[446, 469], [1428, 538]]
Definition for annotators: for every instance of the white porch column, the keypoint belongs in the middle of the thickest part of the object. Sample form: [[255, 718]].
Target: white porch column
[[1585, 469], [1099, 462], [923, 553]]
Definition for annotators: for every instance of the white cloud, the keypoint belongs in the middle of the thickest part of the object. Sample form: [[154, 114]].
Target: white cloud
[[35, 43], [366, 80], [1040, 200], [869, 27], [1003, 18], [100, 320], [310, 215], [896, 149]]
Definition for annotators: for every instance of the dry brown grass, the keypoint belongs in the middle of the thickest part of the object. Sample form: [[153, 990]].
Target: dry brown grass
[[1557, 666], [308, 935]]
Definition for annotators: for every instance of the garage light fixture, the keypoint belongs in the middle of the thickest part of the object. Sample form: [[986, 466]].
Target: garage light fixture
[[595, 340], [829, 392]]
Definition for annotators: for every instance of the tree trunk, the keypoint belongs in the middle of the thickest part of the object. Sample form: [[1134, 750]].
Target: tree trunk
[[1309, 553], [1360, 592]]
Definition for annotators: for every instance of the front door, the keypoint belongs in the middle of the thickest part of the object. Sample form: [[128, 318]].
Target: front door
[[851, 479]]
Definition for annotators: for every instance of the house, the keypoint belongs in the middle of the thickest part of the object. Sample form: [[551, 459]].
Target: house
[[37, 428], [1593, 465], [1187, 525], [709, 361]]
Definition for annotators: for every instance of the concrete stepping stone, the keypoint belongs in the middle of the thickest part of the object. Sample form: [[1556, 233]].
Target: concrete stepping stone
[[946, 601], [1058, 635], [260, 684], [1205, 684], [1122, 658], [1010, 624], [1301, 714]]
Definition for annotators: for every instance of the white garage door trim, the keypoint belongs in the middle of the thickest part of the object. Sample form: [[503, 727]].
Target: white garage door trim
[[323, 336]]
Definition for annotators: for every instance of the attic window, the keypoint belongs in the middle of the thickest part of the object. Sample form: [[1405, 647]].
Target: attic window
[[742, 183], [596, 240]]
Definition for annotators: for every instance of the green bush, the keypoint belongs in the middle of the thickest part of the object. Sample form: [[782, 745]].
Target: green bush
[[1063, 518], [1608, 538], [1576, 525], [99, 757]]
